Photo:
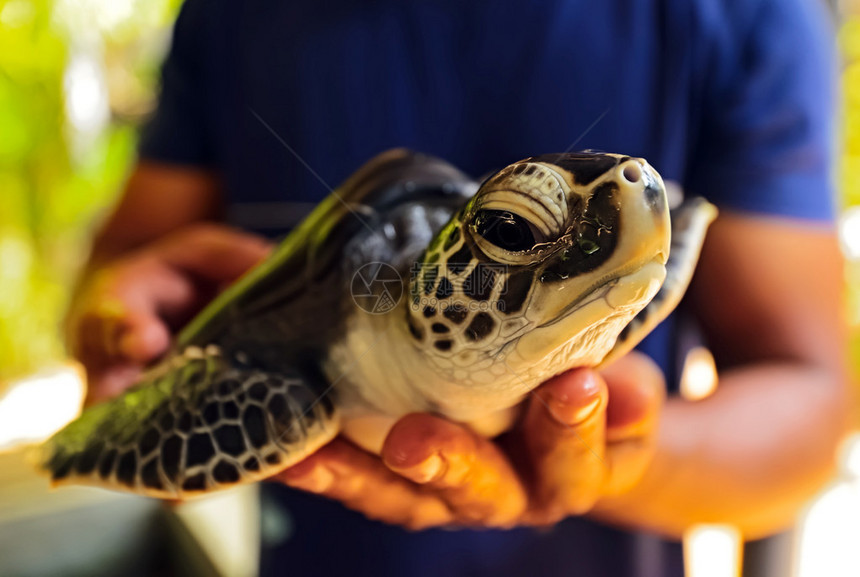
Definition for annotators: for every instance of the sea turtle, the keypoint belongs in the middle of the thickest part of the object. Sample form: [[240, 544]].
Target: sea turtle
[[409, 288]]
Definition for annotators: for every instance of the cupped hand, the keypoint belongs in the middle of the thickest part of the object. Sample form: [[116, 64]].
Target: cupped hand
[[128, 308], [583, 436]]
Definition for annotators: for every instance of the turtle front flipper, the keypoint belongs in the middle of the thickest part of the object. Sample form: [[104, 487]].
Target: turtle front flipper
[[195, 423]]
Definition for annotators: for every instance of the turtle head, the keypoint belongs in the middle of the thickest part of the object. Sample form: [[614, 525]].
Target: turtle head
[[547, 263]]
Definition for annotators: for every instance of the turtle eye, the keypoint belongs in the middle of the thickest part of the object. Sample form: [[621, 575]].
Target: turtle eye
[[505, 230]]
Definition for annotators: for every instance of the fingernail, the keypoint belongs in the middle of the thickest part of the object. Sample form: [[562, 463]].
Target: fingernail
[[318, 480], [427, 470], [569, 415], [565, 412]]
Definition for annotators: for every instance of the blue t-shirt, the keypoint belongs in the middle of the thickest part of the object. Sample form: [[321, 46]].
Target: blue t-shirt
[[732, 99]]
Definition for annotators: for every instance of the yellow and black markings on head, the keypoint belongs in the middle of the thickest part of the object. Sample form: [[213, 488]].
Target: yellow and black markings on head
[[539, 221]]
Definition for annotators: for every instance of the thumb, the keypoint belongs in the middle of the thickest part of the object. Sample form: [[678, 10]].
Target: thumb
[[214, 253], [563, 433], [143, 336], [637, 391]]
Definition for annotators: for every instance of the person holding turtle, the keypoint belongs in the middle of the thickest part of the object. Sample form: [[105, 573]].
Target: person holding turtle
[[265, 104]]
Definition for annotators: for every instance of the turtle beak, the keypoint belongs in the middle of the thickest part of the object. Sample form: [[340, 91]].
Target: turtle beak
[[582, 314], [645, 206], [585, 333]]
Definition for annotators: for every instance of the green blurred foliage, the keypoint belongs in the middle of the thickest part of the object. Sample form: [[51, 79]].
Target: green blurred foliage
[[849, 42], [56, 179], [849, 165]]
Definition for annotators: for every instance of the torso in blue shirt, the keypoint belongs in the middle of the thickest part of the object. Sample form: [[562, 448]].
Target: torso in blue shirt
[[286, 99]]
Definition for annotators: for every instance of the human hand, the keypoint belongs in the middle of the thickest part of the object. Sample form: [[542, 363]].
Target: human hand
[[125, 313], [583, 436]]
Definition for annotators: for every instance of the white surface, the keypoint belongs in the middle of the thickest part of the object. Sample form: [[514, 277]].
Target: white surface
[[36, 407], [226, 526], [712, 551]]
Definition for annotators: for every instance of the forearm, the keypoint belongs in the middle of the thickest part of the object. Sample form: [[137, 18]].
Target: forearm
[[158, 199], [749, 456]]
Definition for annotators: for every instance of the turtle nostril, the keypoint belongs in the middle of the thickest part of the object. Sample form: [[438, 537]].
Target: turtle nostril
[[632, 172]]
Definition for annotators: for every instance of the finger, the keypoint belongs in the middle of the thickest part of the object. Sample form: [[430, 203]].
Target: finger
[[114, 333], [143, 336], [119, 327], [563, 435], [87, 339], [470, 473], [220, 254], [120, 315], [360, 481], [123, 312], [148, 285], [637, 392]]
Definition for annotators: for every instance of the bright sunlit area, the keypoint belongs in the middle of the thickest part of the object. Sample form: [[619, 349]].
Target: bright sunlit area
[[35, 407], [78, 81]]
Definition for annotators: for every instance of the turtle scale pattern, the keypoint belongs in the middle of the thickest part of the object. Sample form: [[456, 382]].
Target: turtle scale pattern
[[271, 327], [268, 372], [461, 301], [201, 435]]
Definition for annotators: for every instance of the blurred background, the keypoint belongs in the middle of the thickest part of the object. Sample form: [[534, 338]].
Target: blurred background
[[77, 77]]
